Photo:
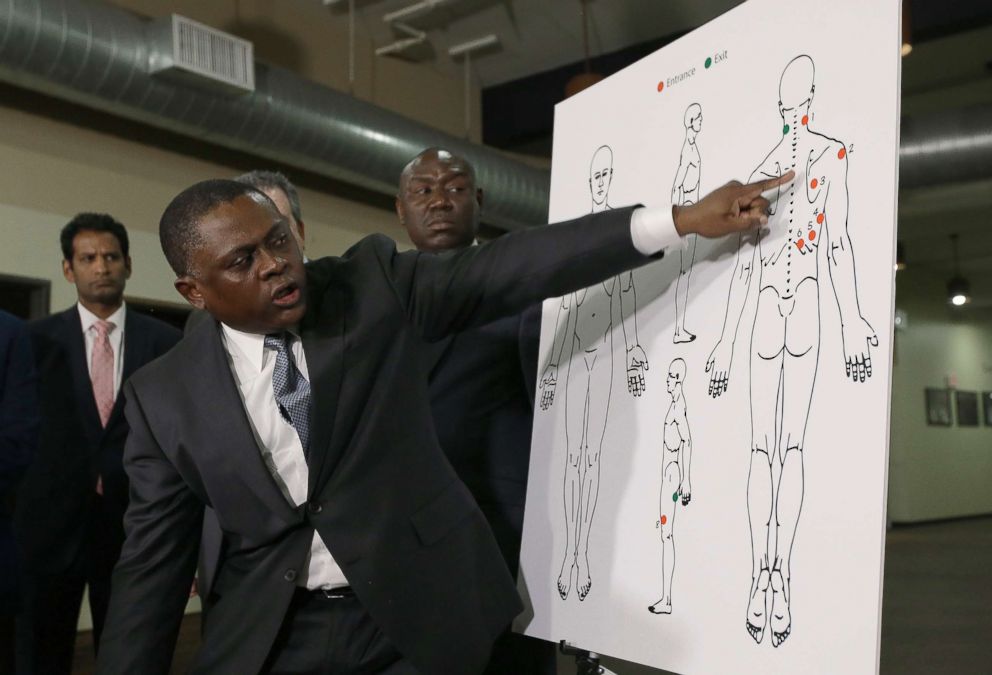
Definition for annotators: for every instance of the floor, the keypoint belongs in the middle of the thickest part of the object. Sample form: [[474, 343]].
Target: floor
[[936, 614]]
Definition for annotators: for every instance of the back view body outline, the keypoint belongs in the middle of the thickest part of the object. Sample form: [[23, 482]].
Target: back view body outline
[[785, 342]]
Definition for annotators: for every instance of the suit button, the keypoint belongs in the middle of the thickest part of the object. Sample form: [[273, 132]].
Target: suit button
[[314, 507], [290, 575]]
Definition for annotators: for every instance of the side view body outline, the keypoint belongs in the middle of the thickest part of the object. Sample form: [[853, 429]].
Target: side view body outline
[[685, 191], [676, 482]]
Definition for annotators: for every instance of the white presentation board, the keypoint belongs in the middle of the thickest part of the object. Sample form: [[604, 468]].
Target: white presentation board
[[721, 507]]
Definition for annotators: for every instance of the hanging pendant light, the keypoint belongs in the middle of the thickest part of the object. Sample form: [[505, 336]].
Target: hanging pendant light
[[958, 288]]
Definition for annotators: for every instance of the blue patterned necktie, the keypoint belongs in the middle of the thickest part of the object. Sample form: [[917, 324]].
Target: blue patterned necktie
[[291, 389]]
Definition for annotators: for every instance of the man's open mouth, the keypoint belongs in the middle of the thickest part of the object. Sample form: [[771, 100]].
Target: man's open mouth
[[286, 295]]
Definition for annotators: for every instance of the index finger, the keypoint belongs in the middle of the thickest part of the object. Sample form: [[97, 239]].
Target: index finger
[[756, 188]]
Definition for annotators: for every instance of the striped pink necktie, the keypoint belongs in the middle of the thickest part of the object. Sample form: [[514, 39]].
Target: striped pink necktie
[[102, 370], [102, 377]]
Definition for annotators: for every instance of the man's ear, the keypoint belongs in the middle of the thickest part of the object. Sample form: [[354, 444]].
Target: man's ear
[[399, 212], [188, 288], [303, 231], [127, 266], [478, 197], [67, 271]]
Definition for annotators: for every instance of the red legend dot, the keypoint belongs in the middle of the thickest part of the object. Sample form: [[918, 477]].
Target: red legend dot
[[661, 85], [819, 220], [664, 519], [805, 120], [813, 183], [842, 153], [812, 235], [800, 244]]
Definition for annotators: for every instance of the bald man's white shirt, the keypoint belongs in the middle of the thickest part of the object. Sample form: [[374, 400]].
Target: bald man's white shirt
[[652, 229]]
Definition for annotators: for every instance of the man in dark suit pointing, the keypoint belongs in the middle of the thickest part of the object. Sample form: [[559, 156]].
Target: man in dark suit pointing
[[301, 415]]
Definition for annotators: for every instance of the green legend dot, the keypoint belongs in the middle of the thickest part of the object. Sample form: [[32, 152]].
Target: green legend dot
[[709, 62], [675, 496], [785, 129]]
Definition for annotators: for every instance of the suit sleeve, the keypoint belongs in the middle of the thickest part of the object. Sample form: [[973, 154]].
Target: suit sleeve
[[19, 417], [529, 339], [152, 579], [450, 292]]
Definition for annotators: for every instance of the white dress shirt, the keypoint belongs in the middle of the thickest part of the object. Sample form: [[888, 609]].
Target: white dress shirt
[[115, 335], [252, 365], [652, 229]]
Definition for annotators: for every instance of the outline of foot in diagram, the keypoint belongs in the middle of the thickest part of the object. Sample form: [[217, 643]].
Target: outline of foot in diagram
[[584, 336], [685, 191], [676, 483], [808, 214]]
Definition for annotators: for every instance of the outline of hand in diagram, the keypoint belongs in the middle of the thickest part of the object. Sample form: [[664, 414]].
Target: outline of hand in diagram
[[584, 336], [810, 213], [685, 191], [676, 484]]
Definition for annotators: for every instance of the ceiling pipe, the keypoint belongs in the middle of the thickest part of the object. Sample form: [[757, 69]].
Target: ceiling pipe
[[950, 146], [97, 55]]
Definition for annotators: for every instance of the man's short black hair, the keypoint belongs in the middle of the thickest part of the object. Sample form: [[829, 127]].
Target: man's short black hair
[[92, 222], [178, 230], [269, 180]]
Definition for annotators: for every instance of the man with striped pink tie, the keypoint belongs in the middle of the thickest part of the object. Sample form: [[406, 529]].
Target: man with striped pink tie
[[72, 501]]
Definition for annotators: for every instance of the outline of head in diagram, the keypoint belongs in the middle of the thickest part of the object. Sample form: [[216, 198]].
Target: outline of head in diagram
[[600, 177]]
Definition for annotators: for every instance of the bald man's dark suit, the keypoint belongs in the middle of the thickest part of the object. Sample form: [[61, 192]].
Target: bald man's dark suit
[[405, 530]]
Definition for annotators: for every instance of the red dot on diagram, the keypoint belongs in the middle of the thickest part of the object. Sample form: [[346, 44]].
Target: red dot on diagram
[[805, 120], [800, 244], [842, 153], [812, 235], [664, 519], [813, 183], [661, 85], [819, 219]]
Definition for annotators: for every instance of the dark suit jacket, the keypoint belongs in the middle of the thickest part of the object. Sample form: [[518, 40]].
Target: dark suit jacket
[[404, 529], [56, 498], [482, 397], [18, 438]]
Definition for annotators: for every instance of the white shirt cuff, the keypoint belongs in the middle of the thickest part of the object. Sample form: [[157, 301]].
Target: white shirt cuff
[[652, 229]]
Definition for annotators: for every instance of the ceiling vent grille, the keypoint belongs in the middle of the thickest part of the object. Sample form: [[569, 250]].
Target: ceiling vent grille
[[191, 51]]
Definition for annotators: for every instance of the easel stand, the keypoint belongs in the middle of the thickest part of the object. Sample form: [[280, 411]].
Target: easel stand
[[586, 663]]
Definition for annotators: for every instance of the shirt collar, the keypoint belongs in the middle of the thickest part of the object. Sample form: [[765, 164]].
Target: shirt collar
[[88, 318], [247, 346]]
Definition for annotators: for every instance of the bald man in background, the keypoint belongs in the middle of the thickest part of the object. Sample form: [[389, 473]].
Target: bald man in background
[[481, 381]]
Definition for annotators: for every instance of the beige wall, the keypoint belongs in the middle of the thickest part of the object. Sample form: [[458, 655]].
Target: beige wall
[[937, 472], [312, 41], [53, 169]]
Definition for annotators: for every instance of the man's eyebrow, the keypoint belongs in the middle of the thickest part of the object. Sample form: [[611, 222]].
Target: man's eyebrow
[[238, 250]]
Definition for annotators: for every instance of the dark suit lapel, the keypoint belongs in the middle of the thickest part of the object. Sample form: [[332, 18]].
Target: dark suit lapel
[[215, 397], [75, 345], [323, 343], [136, 350]]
